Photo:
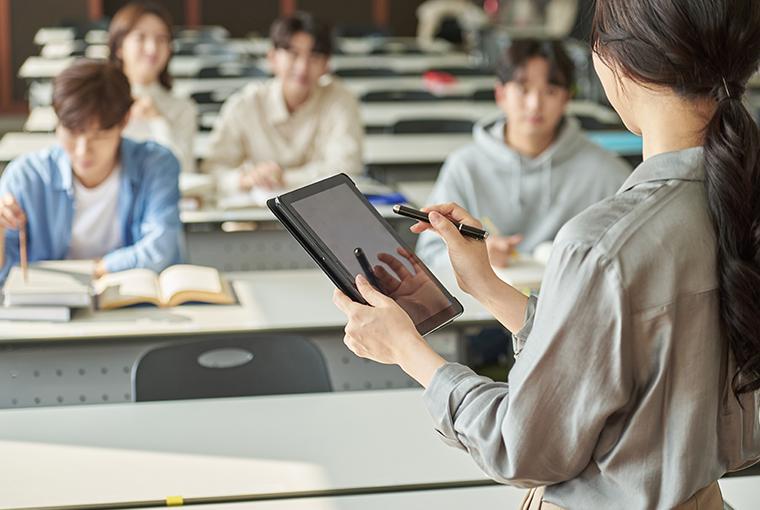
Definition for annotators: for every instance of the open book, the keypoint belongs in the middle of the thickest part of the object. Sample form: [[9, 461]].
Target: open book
[[175, 285]]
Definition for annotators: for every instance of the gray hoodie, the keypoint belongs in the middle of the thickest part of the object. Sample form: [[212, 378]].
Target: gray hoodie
[[519, 194]]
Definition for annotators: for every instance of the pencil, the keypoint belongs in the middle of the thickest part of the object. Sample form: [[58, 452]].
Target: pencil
[[22, 248]]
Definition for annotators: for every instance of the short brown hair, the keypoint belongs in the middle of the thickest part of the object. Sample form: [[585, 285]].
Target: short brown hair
[[284, 29], [124, 22], [91, 90]]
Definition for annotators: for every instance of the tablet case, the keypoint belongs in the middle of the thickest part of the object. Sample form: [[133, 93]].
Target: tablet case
[[330, 265]]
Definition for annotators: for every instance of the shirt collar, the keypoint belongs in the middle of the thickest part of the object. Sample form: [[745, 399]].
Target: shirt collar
[[276, 109], [125, 162], [684, 165], [152, 90]]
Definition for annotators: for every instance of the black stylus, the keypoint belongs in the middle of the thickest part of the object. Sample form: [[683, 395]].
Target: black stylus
[[466, 230]]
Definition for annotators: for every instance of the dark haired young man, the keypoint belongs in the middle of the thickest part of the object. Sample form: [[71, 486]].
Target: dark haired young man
[[531, 169], [95, 195], [293, 129]]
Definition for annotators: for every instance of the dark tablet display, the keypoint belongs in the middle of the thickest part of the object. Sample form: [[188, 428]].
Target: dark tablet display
[[346, 236]]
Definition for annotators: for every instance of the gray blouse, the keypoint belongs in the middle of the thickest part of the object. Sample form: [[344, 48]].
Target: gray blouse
[[621, 395]]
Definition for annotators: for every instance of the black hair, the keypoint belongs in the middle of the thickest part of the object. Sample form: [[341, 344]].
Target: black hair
[[283, 29], [561, 67], [707, 49]]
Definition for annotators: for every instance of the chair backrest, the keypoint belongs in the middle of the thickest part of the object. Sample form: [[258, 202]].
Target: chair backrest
[[232, 70], [216, 96], [241, 365], [382, 96], [365, 72], [463, 71], [484, 95], [430, 126]]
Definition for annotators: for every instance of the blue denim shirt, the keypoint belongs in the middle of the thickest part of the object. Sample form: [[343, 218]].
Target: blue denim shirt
[[148, 208]]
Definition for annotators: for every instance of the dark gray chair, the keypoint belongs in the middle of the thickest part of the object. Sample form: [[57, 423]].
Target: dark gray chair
[[233, 70], [382, 96], [230, 366], [365, 72]]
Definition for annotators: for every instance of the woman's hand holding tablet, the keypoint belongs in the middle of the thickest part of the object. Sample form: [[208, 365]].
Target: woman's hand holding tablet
[[347, 237]]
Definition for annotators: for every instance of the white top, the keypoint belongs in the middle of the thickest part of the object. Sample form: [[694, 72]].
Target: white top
[[96, 229], [323, 137], [174, 129]]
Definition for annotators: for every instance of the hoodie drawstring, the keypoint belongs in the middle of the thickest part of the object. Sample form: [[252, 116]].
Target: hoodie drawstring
[[516, 185], [546, 185]]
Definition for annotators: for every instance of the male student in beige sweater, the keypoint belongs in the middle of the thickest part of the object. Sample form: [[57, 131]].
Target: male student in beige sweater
[[300, 126]]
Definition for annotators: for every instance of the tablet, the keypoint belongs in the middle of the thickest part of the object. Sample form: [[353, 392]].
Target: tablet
[[346, 236]]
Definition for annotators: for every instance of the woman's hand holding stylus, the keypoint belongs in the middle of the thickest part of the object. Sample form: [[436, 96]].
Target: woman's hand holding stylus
[[383, 332], [469, 258], [474, 273]]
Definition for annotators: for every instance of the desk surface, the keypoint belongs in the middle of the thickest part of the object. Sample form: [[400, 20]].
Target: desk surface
[[111, 454], [379, 149], [43, 118], [228, 447], [292, 300]]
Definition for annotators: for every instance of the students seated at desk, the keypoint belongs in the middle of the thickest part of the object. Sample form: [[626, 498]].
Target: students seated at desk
[[531, 169], [295, 128], [139, 39], [95, 195]]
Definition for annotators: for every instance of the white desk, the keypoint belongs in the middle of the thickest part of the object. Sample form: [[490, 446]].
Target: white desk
[[378, 149], [402, 64], [54, 34], [382, 149], [41, 92], [267, 301], [89, 359], [38, 67], [280, 446], [284, 445], [43, 118]]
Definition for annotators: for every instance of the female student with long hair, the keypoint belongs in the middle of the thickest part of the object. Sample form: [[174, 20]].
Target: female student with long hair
[[638, 373], [140, 38]]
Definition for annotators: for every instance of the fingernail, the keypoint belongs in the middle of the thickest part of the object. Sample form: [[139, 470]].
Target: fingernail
[[360, 280], [434, 217]]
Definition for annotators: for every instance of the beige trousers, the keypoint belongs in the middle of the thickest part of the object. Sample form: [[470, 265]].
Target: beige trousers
[[708, 498]]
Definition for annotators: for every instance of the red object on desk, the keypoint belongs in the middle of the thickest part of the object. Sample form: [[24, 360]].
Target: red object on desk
[[432, 78]]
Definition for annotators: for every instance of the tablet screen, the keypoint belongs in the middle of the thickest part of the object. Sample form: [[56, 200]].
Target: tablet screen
[[349, 228]]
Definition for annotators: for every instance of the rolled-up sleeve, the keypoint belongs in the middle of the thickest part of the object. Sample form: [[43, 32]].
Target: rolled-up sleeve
[[543, 426]]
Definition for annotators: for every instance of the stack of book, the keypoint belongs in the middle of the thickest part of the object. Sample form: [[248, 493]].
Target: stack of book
[[49, 291], [53, 288]]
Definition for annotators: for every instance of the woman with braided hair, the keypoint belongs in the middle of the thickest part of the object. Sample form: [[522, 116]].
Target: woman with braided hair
[[637, 381]]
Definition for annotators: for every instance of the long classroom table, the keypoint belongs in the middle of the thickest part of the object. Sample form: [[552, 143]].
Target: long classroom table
[[89, 360], [379, 445]]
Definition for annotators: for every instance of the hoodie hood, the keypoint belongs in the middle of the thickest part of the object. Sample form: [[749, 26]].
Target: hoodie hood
[[488, 135]]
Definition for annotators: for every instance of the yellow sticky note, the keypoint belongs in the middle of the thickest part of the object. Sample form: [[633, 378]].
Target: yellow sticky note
[[174, 501]]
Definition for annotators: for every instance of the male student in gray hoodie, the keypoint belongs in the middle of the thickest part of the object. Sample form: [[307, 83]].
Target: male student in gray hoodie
[[530, 169]]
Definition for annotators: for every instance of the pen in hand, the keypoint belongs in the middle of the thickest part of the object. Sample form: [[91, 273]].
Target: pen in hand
[[22, 250], [465, 230]]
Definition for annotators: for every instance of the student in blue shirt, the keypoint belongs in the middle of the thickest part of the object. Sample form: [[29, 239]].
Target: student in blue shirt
[[94, 195]]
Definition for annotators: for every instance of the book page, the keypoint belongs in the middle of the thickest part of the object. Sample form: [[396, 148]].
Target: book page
[[127, 288], [189, 278]]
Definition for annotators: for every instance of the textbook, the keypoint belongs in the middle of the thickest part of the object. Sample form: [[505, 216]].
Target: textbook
[[35, 313], [175, 285], [51, 283]]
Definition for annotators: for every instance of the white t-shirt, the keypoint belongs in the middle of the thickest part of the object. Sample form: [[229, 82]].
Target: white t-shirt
[[96, 229]]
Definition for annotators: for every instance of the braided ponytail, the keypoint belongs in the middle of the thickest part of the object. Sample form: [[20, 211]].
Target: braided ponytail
[[732, 146], [707, 49]]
